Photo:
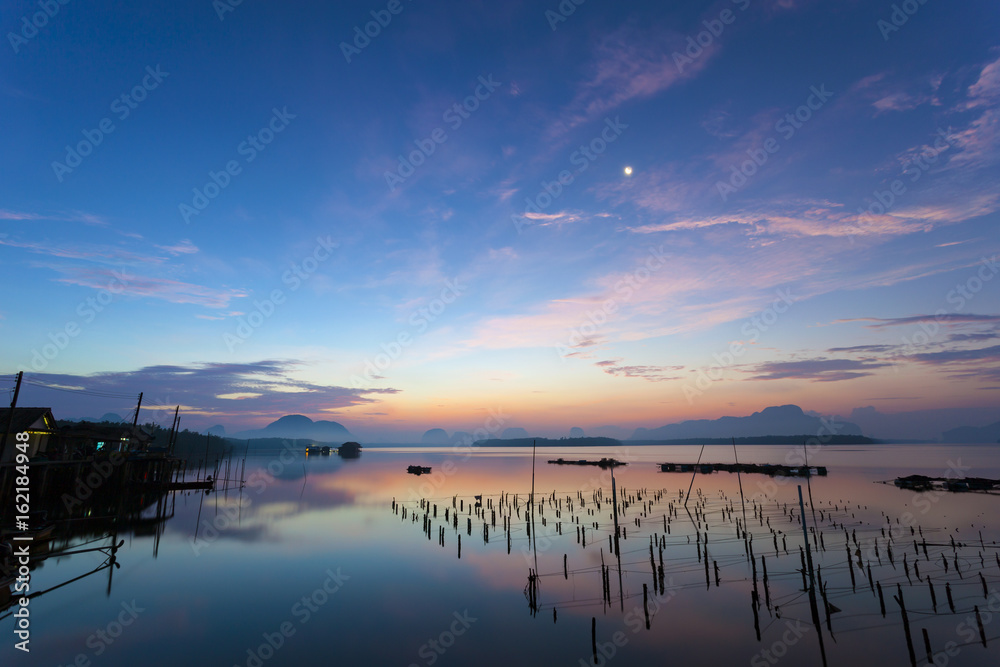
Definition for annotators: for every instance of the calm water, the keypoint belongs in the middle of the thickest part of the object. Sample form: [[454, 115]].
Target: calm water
[[311, 564]]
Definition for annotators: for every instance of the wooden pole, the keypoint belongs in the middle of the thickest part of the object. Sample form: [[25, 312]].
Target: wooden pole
[[173, 431], [618, 553], [812, 579], [593, 636], [927, 647], [906, 625], [645, 604], [135, 419], [740, 480], [10, 417], [208, 439], [979, 622], [686, 497]]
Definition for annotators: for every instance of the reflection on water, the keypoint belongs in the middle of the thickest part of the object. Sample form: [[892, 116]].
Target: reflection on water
[[323, 559]]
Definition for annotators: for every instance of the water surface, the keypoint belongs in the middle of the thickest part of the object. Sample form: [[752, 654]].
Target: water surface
[[311, 563]]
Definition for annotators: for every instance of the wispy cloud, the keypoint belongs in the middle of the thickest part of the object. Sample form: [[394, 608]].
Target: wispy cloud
[[959, 356], [867, 349], [19, 215], [126, 283], [182, 247], [249, 393], [986, 89], [75, 216], [975, 364], [819, 369], [103, 254], [650, 373], [629, 64], [944, 318], [795, 219]]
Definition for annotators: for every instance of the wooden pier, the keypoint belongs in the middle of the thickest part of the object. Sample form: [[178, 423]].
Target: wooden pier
[[748, 468], [602, 463], [953, 484]]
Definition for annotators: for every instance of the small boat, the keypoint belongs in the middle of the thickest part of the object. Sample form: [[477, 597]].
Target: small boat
[[418, 470]]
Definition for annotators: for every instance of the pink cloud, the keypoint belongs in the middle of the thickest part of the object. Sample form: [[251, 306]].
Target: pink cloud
[[628, 65]]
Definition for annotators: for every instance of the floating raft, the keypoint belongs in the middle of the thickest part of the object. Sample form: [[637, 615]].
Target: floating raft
[[603, 463], [418, 470], [924, 483], [750, 468]]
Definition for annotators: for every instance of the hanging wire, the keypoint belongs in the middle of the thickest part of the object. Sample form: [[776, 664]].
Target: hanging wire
[[86, 392]]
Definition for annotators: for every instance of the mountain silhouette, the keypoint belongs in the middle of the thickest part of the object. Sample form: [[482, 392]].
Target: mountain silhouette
[[435, 436], [298, 427], [972, 434], [775, 420]]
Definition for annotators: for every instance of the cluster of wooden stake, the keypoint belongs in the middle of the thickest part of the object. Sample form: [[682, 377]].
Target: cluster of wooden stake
[[784, 552]]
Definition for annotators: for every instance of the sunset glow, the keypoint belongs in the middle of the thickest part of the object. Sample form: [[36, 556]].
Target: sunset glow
[[616, 219]]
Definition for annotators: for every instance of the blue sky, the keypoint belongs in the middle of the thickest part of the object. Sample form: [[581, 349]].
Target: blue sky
[[810, 216]]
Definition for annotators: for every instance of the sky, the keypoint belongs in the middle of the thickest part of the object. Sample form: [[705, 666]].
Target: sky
[[404, 215]]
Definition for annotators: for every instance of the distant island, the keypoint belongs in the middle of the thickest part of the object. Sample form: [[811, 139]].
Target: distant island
[[549, 442], [611, 442], [777, 420], [764, 440]]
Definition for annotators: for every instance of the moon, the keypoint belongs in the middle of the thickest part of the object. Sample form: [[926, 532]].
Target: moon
[[628, 171]]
